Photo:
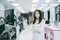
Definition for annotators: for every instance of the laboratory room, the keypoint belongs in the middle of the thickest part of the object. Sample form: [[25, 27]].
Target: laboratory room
[[29, 19]]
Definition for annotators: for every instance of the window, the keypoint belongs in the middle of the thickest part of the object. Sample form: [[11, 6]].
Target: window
[[57, 13]]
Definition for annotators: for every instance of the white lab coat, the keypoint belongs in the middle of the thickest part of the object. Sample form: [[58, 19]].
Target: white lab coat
[[30, 34], [39, 34]]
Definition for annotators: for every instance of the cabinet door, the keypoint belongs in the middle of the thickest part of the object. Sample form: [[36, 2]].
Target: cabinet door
[[57, 35]]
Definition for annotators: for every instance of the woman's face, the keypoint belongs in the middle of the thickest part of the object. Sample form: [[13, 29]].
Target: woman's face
[[37, 14]]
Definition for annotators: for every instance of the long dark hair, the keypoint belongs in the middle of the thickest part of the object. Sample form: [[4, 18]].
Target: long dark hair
[[40, 18]]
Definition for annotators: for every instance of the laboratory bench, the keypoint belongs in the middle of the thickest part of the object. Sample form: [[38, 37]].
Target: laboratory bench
[[52, 33]]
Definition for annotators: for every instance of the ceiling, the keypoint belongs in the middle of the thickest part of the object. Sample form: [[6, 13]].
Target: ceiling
[[26, 5]]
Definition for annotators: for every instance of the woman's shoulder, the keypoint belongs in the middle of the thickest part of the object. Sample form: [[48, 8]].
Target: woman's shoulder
[[43, 20]]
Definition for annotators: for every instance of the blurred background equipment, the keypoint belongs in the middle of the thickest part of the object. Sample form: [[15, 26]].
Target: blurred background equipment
[[9, 16]]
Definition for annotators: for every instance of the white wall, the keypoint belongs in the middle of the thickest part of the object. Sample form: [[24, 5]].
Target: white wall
[[1, 10], [56, 35], [52, 14], [45, 15]]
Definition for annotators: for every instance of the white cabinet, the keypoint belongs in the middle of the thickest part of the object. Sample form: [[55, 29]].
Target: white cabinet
[[52, 33], [57, 35]]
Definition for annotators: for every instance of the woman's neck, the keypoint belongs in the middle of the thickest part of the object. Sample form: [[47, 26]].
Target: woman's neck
[[37, 19]]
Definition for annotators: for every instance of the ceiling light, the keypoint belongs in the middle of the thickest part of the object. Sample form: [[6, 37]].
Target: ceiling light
[[35, 1], [34, 4], [46, 8], [58, 1], [15, 4], [41, 7], [33, 9], [10, 0], [54, 4], [47, 0], [20, 9], [44, 4]]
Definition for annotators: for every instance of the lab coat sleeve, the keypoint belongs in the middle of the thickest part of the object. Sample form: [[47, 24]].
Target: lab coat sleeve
[[40, 27]]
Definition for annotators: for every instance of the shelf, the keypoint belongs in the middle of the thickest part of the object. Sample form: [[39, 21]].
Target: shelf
[[53, 28]]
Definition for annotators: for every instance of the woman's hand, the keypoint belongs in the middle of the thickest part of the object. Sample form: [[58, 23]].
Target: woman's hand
[[35, 29]]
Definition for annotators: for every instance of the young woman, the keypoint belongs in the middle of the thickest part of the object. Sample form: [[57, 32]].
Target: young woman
[[38, 26]]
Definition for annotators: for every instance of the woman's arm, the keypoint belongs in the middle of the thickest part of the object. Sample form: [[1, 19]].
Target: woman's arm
[[39, 27]]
